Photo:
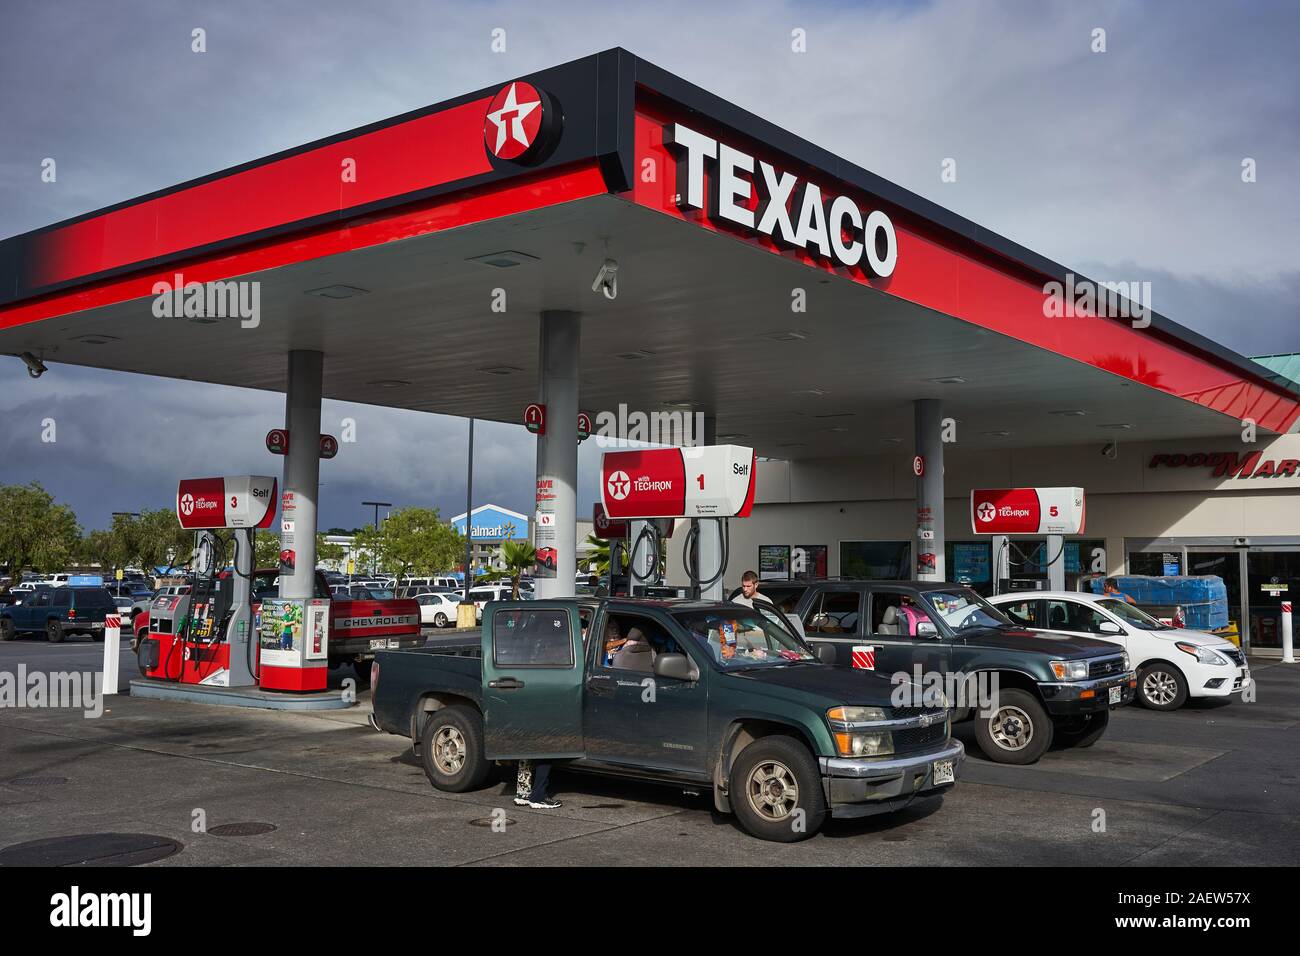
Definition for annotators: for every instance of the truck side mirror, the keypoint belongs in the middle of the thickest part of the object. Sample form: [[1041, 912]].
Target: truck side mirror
[[825, 653], [676, 666], [926, 629]]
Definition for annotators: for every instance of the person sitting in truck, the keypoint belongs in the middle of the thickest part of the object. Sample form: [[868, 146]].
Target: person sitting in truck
[[614, 640], [635, 654]]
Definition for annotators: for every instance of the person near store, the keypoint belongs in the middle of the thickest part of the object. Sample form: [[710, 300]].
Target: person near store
[[1110, 587], [749, 590]]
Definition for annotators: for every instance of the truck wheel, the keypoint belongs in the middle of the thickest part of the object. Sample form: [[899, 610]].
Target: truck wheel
[[6, 629], [1019, 732], [1162, 686], [451, 749], [776, 790], [54, 632], [1084, 730]]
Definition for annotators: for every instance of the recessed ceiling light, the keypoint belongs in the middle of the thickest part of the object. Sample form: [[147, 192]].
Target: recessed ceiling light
[[731, 437], [1117, 425], [837, 428], [95, 338], [1071, 413], [204, 320], [787, 335], [337, 291], [999, 434], [891, 441], [680, 404], [634, 356], [504, 260], [389, 383], [791, 444], [834, 415], [500, 369], [948, 380], [813, 392]]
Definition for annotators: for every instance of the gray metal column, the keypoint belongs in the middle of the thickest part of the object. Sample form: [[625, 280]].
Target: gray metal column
[[1055, 554], [1000, 564], [929, 539], [556, 524], [239, 629], [708, 551], [301, 484]]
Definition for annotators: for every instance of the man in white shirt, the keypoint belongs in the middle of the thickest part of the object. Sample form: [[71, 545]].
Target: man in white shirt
[[748, 590]]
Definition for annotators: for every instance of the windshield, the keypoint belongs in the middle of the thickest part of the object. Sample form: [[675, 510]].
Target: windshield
[[741, 637], [962, 609], [1131, 615]]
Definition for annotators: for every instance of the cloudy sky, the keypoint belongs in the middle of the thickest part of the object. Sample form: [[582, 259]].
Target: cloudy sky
[[1123, 165]]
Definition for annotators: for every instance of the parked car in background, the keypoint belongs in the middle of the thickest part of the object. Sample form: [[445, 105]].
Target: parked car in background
[[58, 612], [438, 608], [1172, 663], [484, 593]]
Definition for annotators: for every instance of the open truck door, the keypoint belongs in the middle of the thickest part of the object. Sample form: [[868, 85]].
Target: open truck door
[[532, 680]]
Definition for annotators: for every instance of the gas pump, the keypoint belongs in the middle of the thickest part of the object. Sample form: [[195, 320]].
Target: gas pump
[[654, 486], [201, 632]]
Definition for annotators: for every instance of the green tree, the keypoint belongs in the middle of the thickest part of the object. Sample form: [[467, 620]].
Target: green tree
[[599, 555], [100, 547], [412, 541], [35, 532], [518, 557]]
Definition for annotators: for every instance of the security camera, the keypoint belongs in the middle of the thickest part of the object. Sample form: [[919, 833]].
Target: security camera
[[1110, 451], [607, 279], [35, 367]]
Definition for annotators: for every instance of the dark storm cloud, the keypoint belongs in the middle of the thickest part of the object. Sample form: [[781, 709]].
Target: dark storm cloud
[[1124, 164]]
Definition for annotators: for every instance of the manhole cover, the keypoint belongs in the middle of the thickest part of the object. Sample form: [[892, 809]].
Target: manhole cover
[[37, 781], [90, 849], [241, 829], [491, 821]]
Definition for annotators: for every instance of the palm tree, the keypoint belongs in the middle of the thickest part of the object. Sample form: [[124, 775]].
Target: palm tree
[[598, 553], [516, 558]]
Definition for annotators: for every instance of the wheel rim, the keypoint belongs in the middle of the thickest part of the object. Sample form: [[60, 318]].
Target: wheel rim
[[51, 631], [449, 750], [773, 791], [440, 620], [1011, 728], [1159, 687]]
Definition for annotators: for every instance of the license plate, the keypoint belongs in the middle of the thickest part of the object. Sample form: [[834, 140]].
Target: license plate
[[96, 625], [943, 772], [1116, 694], [379, 644]]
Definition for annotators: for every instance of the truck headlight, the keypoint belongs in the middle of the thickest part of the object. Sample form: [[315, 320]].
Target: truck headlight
[[865, 745], [1070, 670], [855, 715], [1203, 654]]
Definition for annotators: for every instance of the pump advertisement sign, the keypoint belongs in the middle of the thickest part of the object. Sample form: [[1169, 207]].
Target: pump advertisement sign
[[1027, 510], [707, 482], [240, 501]]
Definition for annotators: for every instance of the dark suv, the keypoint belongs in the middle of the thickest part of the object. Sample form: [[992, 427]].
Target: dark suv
[[1048, 688], [57, 612]]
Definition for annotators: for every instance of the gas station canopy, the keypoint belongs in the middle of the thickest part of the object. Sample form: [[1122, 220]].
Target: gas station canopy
[[416, 254]]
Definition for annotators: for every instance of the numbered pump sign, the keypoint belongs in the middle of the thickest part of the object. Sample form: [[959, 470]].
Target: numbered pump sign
[[241, 501], [715, 481], [1027, 510]]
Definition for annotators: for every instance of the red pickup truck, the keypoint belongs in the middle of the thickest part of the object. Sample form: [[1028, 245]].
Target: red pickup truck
[[358, 627]]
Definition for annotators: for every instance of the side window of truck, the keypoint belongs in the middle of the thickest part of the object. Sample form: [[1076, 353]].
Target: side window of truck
[[532, 638], [836, 612]]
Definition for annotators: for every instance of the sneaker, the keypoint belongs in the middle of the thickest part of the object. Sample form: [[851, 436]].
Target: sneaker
[[546, 803], [521, 802]]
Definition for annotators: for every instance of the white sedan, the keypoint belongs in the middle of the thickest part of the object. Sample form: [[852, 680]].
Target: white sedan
[[1172, 663], [438, 608]]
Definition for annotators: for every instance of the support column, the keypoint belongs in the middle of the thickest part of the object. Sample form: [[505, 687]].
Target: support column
[[928, 543], [1056, 570], [556, 524], [708, 550], [1001, 560], [301, 485]]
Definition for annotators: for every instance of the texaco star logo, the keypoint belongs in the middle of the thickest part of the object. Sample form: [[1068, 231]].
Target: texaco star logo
[[520, 124], [986, 511], [187, 504], [619, 485]]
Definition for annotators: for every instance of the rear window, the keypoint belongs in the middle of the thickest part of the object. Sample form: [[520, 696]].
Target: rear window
[[92, 597], [532, 638]]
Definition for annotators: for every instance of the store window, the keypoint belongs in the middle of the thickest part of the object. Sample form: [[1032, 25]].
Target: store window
[[1271, 578], [876, 560]]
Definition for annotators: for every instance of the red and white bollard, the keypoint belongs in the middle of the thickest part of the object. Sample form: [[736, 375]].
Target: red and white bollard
[[1288, 654], [112, 652]]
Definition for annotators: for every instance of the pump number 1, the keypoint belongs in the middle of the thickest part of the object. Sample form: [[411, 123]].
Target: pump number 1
[[700, 479]]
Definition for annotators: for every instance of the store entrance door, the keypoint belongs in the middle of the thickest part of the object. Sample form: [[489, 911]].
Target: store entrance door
[[1272, 577], [1227, 565]]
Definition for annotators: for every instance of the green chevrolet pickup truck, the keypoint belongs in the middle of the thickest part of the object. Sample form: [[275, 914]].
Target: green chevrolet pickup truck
[[691, 694]]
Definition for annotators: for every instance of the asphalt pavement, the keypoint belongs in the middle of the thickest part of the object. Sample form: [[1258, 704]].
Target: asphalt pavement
[[1210, 784]]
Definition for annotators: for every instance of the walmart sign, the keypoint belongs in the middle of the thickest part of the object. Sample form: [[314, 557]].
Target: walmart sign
[[493, 523]]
